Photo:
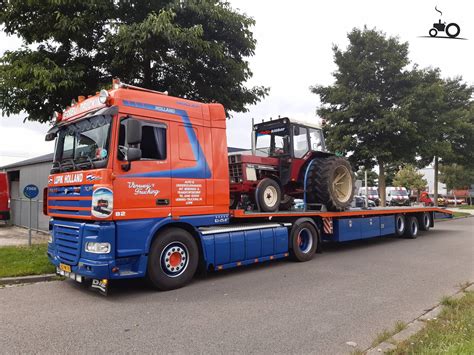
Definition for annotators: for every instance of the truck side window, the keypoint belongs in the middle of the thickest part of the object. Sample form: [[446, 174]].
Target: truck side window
[[153, 143]]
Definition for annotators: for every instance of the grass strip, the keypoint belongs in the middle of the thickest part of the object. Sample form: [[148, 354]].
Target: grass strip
[[452, 332], [24, 261]]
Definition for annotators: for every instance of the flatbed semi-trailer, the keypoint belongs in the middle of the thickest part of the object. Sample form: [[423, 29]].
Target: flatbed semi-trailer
[[141, 182]]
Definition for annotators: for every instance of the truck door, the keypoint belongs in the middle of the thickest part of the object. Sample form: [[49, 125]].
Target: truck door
[[144, 191], [190, 170]]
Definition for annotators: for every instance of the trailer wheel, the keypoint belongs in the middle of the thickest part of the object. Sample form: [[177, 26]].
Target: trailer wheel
[[304, 239], [425, 221], [268, 195], [400, 225], [173, 259], [411, 230]]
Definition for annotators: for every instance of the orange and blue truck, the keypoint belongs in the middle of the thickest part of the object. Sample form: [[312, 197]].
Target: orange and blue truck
[[142, 186]]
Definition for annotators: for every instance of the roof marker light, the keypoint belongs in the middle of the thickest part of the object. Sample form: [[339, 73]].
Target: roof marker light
[[103, 96], [116, 84]]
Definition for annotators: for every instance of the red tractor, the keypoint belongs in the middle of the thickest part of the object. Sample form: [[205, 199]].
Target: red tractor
[[289, 160]]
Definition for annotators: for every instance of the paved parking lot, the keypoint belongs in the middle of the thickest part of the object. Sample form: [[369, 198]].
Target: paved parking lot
[[11, 235], [350, 292]]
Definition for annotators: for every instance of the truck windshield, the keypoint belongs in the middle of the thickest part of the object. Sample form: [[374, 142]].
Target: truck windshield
[[272, 142], [83, 145]]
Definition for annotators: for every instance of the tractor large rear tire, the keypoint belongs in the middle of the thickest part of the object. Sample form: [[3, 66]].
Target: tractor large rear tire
[[330, 182]]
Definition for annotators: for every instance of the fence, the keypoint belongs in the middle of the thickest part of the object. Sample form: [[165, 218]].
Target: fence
[[21, 209]]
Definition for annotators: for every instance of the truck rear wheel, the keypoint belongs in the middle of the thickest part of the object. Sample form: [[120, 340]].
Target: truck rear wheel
[[173, 259], [330, 182], [425, 221], [303, 241], [411, 230], [268, 195], [400, 225]]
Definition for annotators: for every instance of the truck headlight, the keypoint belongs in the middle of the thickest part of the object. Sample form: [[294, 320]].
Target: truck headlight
[[50, 238], [98, 248]]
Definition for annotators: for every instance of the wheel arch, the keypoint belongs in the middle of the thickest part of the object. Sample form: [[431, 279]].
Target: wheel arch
[[315, 224], [181, 225]]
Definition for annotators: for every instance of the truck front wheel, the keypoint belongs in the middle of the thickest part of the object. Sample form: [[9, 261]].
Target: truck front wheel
[[173, 259]]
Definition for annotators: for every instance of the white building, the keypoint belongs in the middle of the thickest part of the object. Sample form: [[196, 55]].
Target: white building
[[428, 174]]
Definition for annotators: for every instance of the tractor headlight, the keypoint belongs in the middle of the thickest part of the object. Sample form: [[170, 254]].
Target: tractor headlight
[[98, 248]]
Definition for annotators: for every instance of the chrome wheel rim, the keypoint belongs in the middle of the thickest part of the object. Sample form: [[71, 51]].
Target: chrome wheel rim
[[174, 259], [400, 224]]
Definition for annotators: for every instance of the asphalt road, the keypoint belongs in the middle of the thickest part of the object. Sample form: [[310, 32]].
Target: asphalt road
[[350, 292]]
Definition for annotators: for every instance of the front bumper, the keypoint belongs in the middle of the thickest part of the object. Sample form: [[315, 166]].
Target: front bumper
[[68, 248]]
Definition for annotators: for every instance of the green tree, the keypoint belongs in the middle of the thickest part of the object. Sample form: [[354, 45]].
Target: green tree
[[372, 177], [442, 110], [456, 176], [364, 109], [190, 48], [410, 178]]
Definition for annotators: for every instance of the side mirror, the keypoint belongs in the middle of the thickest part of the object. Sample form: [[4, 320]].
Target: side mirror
[[133, 154], [134, 131]]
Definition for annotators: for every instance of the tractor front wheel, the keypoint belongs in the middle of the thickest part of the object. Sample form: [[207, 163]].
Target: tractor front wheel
[[268, 195]]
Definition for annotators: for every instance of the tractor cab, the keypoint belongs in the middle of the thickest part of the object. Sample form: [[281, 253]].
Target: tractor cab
[[287, 138]]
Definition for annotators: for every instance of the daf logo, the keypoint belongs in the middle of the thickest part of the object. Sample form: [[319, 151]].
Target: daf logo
[[66, 191]]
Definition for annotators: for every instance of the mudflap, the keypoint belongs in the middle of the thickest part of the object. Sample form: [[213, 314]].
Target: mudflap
[[101, 286]]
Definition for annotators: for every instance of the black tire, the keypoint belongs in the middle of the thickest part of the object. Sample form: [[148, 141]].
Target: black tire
[[234, 201], [164, 252], [268, 195], [433, 32], [287, 203], [453, 35], [412, 227], [424, 221], [400, 225], [304, 238], [320, 183]]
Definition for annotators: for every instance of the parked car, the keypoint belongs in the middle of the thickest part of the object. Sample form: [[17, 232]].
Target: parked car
[[4, 197], [397, 196], [441, 200], [373, 194], [454, 201], [426, 199], [359, 201]]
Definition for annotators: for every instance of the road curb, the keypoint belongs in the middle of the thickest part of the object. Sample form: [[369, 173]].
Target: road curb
[[27, 279], [414, 326]]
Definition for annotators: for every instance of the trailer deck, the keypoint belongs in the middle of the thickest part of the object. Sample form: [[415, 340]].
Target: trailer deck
[[353, 212]]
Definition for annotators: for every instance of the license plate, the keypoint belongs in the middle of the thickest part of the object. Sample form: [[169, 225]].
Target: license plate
[[64, 267]]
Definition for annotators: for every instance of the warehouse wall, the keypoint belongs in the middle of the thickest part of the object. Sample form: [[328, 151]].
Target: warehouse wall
[[36, 174]]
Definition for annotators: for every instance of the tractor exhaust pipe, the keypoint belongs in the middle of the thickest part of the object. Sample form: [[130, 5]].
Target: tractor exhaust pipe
[[253, 138]]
